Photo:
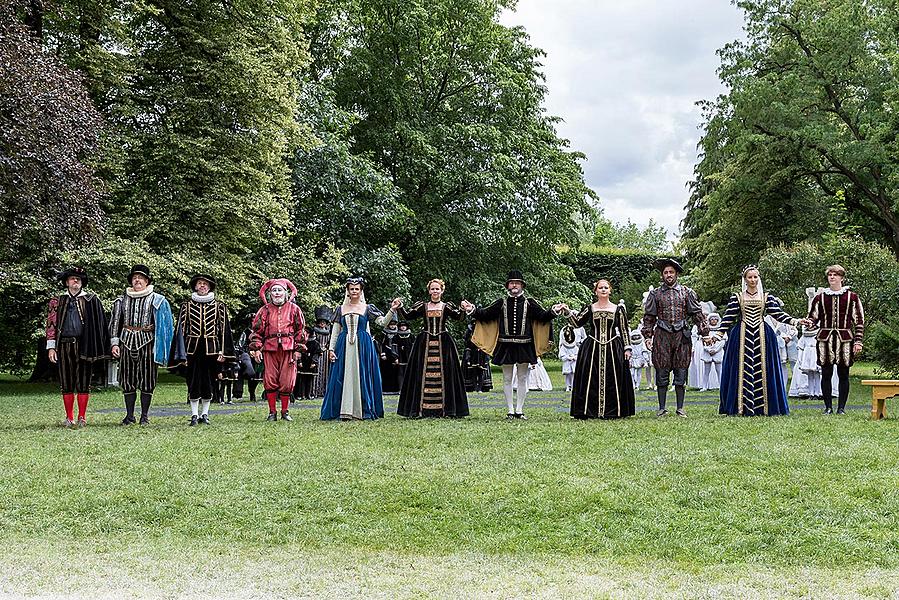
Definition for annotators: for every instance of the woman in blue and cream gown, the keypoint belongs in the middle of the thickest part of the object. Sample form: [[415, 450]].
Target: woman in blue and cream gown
[[751, 382], [354, 381]]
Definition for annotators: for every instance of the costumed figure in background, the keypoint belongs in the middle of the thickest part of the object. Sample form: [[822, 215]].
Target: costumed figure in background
[[650, 370], [514, 330], [751, 382], [666, 312], [538, 378], [570, 340], [203, 342], [247, 369], [694, 374], [639, 358], [307, 367], [354, 382], [712, 355], [433, 385], [475, 365], [141, 331], [388, 352], [322, 334], [603, 387], [279, 335], [404, 342], [838, 313], [77, 337]]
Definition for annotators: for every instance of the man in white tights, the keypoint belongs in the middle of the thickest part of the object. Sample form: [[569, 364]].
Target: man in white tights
[[514, 330]]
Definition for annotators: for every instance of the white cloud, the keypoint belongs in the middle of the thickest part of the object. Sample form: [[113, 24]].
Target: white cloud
[[625, 76]]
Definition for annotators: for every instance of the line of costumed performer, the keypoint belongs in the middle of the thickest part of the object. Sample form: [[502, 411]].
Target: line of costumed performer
[[514, 330], [202, 342], [666, 311], [751, 381], [279, 335], [433, 384], [354, 383], [77, 337], [838, 312], [603, 387], [141, 332]]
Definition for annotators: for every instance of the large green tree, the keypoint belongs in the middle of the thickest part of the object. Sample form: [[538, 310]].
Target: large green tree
[[450, 106], [49, 194], [804, 141]]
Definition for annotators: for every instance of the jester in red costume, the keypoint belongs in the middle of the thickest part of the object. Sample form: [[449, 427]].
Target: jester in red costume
[[278, 336]]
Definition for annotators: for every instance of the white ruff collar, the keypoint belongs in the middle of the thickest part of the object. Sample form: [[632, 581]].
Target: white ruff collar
[[132, 294], [204, 299], [831, 292]]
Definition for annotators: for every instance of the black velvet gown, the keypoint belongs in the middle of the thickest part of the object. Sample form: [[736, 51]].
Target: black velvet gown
[[433, 385], [602, 382]]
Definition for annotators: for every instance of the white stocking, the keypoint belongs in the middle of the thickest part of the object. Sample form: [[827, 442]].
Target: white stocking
[[206, 407], [523, 370], [195, 408], [507, 387]]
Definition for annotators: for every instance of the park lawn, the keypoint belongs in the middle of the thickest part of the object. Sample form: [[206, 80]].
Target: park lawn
[[709, 506]]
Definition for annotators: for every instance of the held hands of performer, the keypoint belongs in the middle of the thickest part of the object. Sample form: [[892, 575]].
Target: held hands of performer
[[467, 306], [115, 351], [559, 307], [396, 304]]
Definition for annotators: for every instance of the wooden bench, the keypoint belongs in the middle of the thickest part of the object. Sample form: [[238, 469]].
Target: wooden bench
[[881, 389]]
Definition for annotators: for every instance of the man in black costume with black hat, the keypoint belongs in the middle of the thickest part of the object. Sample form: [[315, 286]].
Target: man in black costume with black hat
[[77, 337], [140, 330], [203, 341], [322, 334], [666, 327], [514, 330]]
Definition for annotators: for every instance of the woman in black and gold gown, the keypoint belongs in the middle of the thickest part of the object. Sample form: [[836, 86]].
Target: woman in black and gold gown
[[602, 384], [433, 384]]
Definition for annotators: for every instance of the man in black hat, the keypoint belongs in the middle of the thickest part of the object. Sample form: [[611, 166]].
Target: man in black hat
[[404, 342], [203, 341], [322, 334], [666, 314], [77, 337], [141, 332], [514, 330]]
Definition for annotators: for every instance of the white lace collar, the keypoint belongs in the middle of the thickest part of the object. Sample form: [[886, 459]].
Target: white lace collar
[[132, 294], [204, 299], [831, 292]]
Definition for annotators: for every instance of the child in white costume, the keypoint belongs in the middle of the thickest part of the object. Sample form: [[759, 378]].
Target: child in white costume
[[712, 356], [569, 342], [639, 357]]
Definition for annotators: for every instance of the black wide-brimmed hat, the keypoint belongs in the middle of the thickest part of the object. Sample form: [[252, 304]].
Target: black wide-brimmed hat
[[660, 264], [140, 270], [324, 313], [568, 334], [515, 275], [193, 281], [79, 272]]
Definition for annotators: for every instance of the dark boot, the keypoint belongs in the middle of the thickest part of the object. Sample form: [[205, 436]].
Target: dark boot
[[662, 392], [679, 392], [130, 400], [145, 399]]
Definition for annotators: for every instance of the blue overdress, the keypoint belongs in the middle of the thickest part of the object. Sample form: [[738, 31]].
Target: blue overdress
[[369, 373]]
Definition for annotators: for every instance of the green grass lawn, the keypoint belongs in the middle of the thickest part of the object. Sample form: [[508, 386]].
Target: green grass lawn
[[709, 506]]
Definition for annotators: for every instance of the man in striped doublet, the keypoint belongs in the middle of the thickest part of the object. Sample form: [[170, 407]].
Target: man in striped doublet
[[140, 330]]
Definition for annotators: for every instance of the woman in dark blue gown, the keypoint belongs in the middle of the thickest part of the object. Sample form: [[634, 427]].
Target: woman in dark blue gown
[[751, 381], [354, 380]]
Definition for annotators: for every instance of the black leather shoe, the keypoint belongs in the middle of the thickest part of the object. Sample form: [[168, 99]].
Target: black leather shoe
[[144, 420], [193, 421], [128, 420], [272, 417], [285, 416], [510, 416], [204, 419], [828, 411], [521, 416], [841, 411]]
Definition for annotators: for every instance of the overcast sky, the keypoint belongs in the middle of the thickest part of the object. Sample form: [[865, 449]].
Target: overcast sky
[[625, 75]]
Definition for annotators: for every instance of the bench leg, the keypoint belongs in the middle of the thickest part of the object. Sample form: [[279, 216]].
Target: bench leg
[[878, 408]]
